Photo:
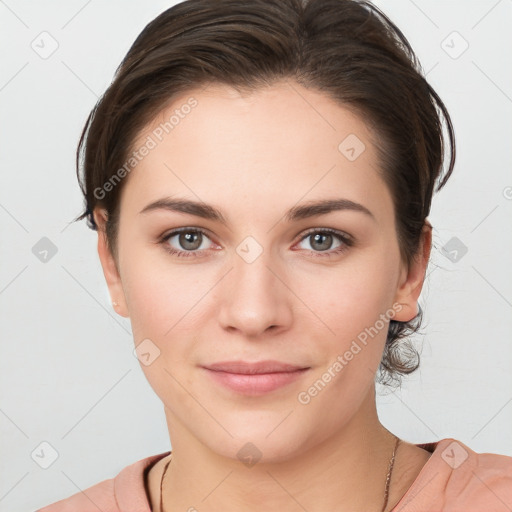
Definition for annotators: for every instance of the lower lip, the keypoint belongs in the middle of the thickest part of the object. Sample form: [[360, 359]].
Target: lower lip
[[255, 384]]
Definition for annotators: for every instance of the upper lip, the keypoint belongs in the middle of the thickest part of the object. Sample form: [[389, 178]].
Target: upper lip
[[247, 368]]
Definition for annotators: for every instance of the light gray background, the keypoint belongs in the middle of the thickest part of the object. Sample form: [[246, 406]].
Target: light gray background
[[68, 375]]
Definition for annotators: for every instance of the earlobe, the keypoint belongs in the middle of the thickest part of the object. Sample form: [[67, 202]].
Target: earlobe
[[412, 279], [109, 266]]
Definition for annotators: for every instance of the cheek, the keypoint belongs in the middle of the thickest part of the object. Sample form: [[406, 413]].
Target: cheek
[[352, 303], [351, 297], [163, 305], [173, 306], [161, 295]]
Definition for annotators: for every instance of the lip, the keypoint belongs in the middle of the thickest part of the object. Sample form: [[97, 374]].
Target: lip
[[254, 378]]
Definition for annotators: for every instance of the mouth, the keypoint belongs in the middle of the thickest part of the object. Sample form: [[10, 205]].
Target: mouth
[[254, 378]]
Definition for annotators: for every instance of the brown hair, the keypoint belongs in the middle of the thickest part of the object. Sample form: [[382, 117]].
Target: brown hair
[[347, 49]]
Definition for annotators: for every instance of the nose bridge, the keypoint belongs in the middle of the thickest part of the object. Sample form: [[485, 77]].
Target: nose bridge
[[254, 298], [253, 277]]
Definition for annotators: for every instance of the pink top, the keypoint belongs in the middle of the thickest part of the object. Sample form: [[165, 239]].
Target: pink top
[[455, 478]]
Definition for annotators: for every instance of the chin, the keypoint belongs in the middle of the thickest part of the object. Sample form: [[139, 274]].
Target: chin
[[264, 441]]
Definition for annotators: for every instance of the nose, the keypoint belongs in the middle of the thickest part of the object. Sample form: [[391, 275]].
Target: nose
[[256, 298]]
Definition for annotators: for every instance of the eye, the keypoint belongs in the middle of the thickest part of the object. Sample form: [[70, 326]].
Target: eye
[[321, 241], [192, 242], [186, 242]]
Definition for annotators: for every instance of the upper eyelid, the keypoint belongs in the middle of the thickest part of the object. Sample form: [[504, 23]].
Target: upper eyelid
[[332, 231]]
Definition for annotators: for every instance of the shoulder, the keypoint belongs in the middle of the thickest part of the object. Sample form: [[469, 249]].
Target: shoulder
[[458, 478], [483, 479], [100, 496], [121, 493]]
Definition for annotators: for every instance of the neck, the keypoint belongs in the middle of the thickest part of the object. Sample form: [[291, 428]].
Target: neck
[[347, 471]]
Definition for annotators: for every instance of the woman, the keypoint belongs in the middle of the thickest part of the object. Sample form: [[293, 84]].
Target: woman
[[260, 175]]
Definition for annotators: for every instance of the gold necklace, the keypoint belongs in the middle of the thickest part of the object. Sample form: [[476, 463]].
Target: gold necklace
[[386, 490]]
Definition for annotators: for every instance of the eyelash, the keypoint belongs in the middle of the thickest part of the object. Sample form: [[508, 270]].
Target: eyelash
[[347, 241]]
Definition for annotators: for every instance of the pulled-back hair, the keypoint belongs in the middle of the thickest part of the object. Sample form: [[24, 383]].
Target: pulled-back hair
[[347, 49]]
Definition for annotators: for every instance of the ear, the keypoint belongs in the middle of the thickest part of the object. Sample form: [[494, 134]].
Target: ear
[[412, 278], [109, 265]]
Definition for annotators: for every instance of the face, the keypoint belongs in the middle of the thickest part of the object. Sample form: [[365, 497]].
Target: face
[[267, 279]]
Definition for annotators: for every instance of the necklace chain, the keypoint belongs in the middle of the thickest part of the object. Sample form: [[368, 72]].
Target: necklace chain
[[388, 477], [386, 491]]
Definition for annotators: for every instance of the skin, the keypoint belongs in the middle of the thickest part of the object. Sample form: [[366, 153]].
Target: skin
[[253, 156]]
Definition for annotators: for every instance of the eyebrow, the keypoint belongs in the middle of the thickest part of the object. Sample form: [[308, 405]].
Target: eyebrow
[[300, 212]]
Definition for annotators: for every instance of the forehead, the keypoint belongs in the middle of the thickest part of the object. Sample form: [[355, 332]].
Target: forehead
[[274, 144]]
